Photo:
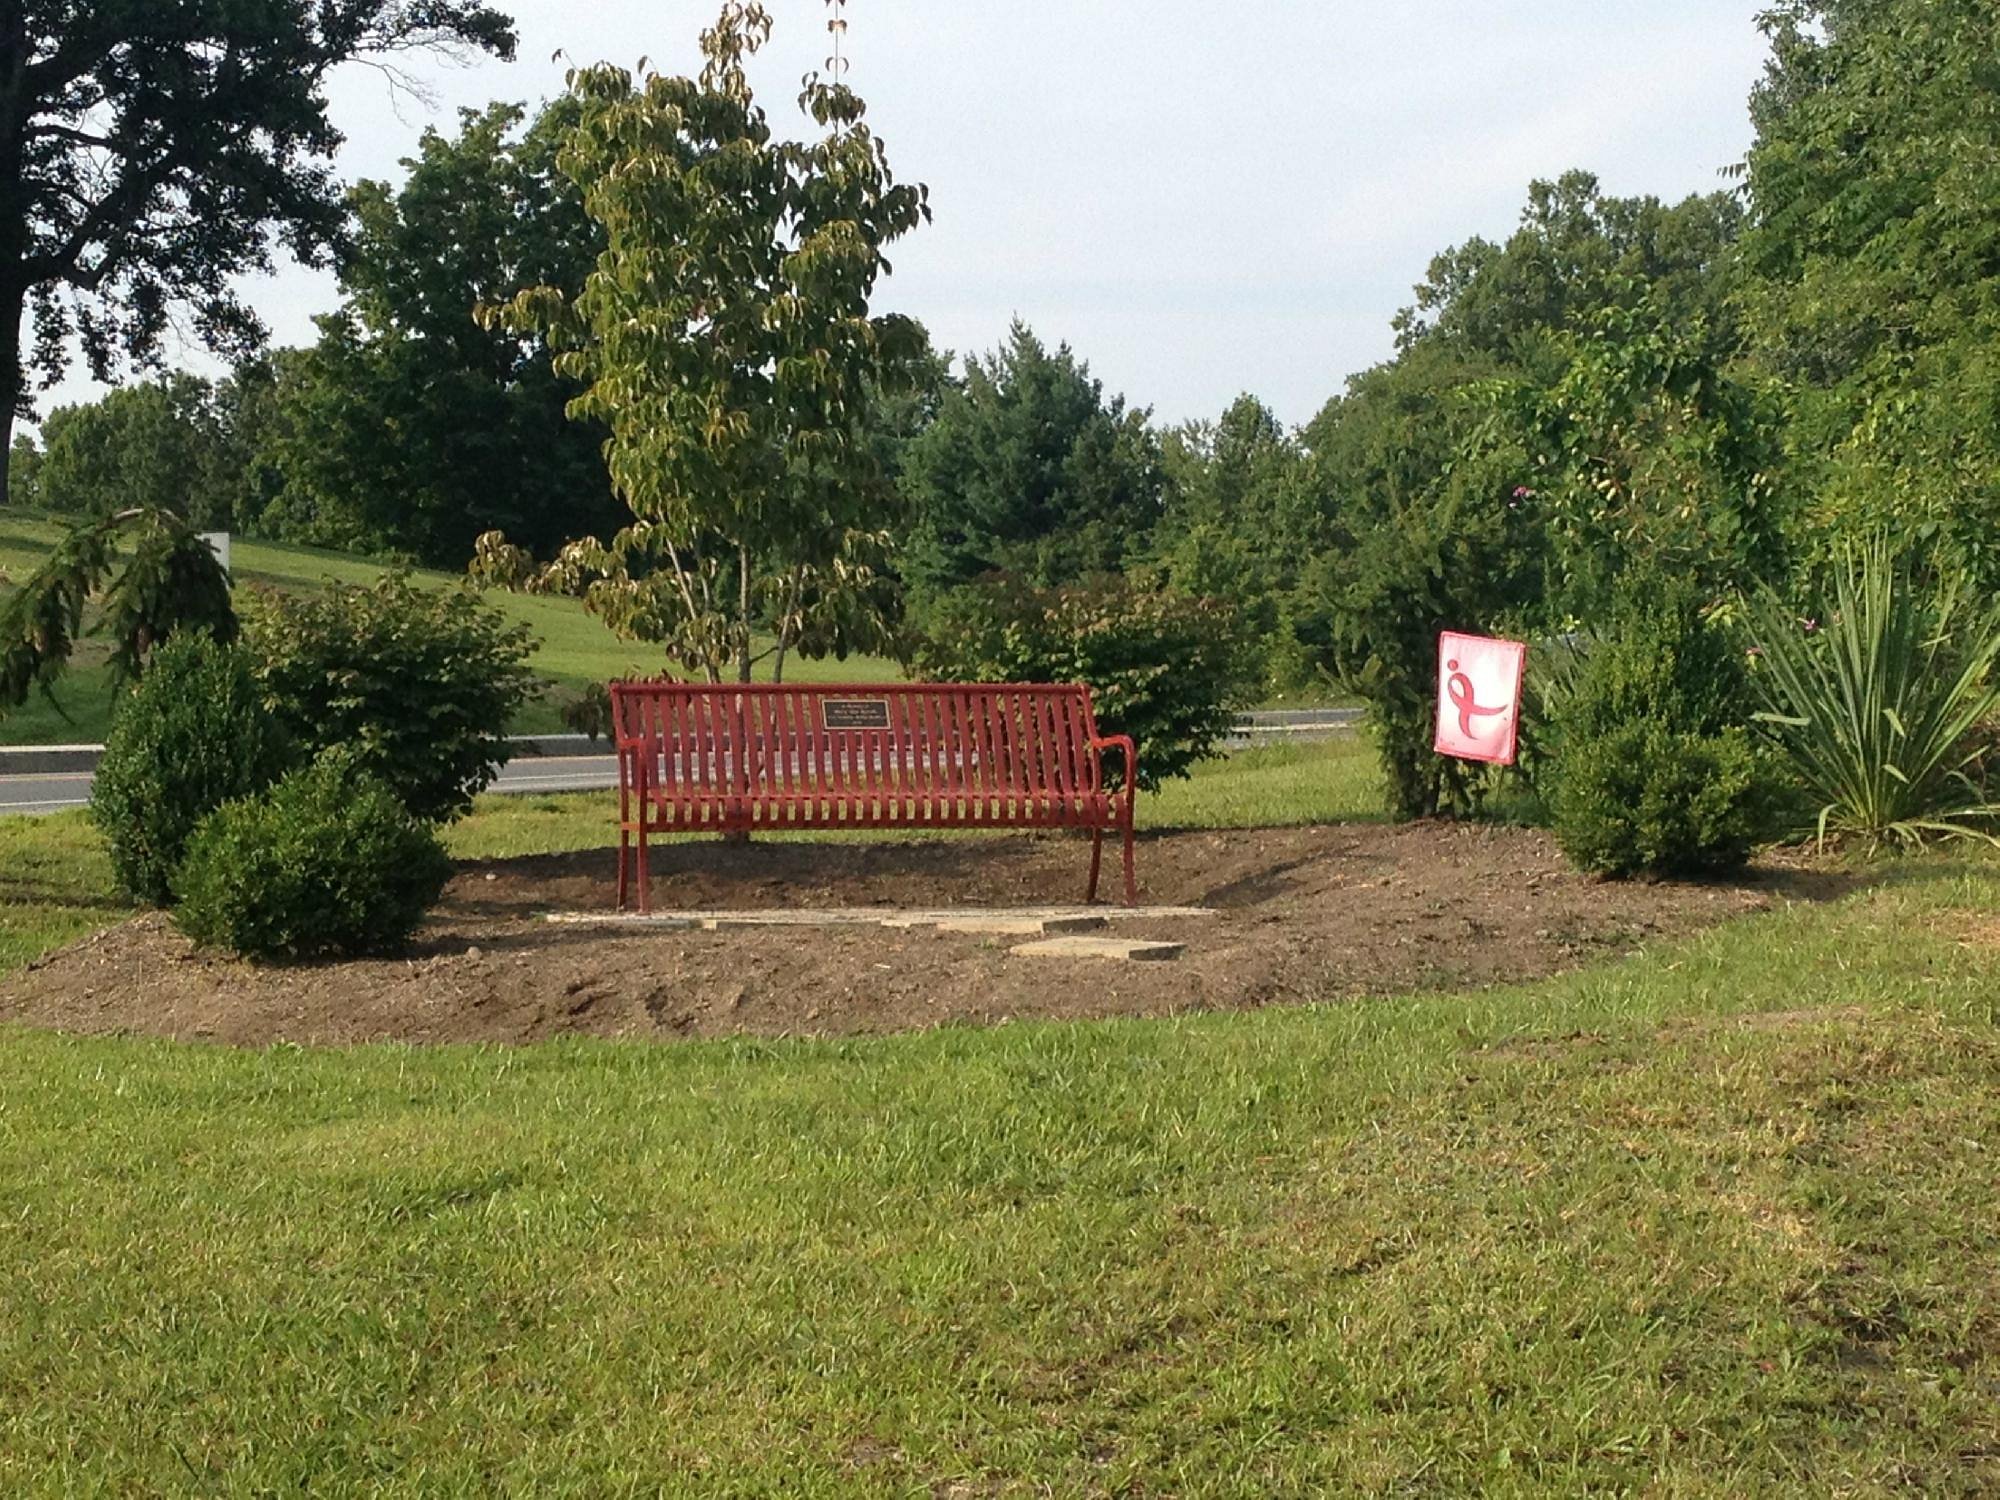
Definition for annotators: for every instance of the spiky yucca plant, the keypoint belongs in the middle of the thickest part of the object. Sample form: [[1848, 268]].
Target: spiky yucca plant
[[1880, 708]]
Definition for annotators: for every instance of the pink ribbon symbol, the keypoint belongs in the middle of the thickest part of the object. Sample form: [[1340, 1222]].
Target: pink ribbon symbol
[[1459, 686]]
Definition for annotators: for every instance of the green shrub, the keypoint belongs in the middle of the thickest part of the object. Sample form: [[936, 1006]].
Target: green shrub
[[1882, 705], [1655, 768], [1643, 797], [1658, 662], [325, 863], [1166, 668], [422, 683], [1468, 563], [193, 735]]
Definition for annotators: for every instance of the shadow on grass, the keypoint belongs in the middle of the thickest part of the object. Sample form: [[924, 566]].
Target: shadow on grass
[[15, 892]]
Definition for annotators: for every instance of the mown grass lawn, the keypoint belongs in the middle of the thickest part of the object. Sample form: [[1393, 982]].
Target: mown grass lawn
[[575, 648], [1718, 1220]]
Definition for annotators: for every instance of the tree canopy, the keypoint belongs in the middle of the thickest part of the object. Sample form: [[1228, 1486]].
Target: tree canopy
[[1873, 265], [160, 444], [724, 340], [1029, 469], [149, 153], [410, 428]]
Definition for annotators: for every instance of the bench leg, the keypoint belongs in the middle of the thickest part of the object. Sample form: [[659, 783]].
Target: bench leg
[[624, 863], [1096, 859], [1131, 879], [645, 874]]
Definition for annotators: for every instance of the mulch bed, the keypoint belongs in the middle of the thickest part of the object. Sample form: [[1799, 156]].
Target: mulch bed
[[1304, 914]]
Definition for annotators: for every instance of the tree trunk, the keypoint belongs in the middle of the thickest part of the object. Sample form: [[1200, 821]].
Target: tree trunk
[[743, 659], [14, 235], [743, 642], [785, 623], [6, 450], [12, 307]]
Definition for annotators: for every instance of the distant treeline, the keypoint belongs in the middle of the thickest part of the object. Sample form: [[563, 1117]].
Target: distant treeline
[[1727, 388]]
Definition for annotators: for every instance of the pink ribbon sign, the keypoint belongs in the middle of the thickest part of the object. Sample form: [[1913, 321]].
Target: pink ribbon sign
[[1479, 697]]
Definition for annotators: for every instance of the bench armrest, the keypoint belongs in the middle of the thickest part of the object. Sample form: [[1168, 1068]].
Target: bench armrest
[[1122, 743]]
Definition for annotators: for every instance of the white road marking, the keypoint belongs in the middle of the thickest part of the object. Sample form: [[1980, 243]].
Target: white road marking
[[43, 807]]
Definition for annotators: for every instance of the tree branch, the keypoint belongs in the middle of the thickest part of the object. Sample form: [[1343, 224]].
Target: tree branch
[[80, 137]]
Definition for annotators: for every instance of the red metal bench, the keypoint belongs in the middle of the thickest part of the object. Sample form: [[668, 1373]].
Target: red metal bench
[[699, 758]]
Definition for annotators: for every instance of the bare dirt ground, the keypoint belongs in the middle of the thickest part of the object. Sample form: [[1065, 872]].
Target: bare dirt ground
[[1306, 914]]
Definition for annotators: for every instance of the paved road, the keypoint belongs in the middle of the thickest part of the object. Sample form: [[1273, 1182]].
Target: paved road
[[537, 773], [52, 791]]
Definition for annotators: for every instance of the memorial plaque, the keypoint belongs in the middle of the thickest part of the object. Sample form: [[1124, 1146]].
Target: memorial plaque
[[854, 713]]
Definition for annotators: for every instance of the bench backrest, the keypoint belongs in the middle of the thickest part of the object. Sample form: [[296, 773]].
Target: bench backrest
[[879, 742]]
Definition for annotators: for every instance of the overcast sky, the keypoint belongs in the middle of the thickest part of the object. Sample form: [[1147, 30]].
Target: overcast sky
[[1201, 199]]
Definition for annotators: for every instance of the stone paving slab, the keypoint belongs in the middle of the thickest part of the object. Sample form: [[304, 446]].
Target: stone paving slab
[[999, 920], [1121, 950], [1014, 926]]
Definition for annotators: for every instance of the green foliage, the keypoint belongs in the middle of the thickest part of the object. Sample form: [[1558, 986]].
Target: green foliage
[[423, 684], [24, 473], [193, 735], [1562, 408], [724, 341], [1654, 767], [152, 153], [1659, 661], [1880, 702], [1639, 448], [1647, 798], [1873, 268], [1452, 549], [1241, 523], [159, 445], [167, 580], [1166, 668], [407, 427], [1576, 252], [327, 863], [1028, 470]]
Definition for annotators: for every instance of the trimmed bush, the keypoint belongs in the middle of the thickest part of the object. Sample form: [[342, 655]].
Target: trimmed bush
[[422, 683], [1166, 668], [1645, 798], [1655, 767], [326, 863], [193, 735]]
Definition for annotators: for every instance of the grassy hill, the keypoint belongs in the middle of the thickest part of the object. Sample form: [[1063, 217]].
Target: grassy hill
[[575, 649]]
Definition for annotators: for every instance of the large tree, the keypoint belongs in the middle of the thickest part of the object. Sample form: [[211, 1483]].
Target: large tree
[[1240, 523], [1873, 261], [159, 444], [408, 427], [725, 340], [150, 152], [1030, 469], [1558, 405]]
